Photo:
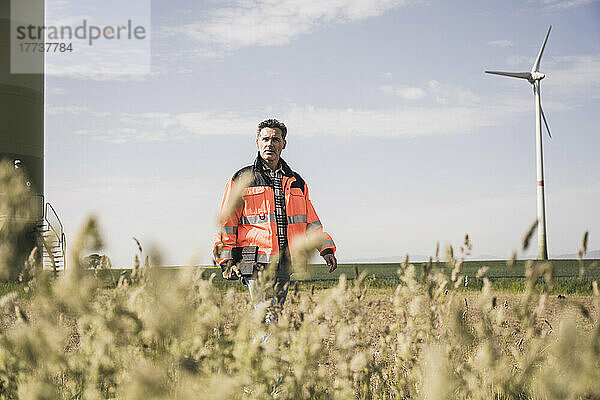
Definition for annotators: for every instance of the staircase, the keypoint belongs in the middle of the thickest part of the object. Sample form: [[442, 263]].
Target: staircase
[[55, 243]]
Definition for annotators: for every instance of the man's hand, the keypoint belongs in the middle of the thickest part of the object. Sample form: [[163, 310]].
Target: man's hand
[[231, 272], [331, 262]]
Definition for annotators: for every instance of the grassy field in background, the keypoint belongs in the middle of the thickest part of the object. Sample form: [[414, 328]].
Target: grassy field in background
[[505, 279]]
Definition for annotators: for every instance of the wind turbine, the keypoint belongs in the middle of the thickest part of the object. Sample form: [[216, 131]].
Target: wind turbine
[[534, 77]]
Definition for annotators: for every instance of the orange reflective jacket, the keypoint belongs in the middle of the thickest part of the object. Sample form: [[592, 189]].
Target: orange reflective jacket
[[253, 222]]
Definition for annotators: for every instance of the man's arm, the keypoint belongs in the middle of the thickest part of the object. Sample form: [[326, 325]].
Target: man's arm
[[313, 224], [226, 237]]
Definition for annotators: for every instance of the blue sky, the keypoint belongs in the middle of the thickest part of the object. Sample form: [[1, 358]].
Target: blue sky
[[401, 137]]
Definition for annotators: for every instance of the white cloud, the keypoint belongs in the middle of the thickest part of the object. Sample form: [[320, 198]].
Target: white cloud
[[569, 76], [516, 60], [269, 23], [57, 91], [500, 43], [460, 112], [440, 94], [75, 110], [407, 121], [210, 123], [562, 4], [444, 94], [57, 110], [100, 63], [574, 75], [408, 93], [432, 109], [411, 93]]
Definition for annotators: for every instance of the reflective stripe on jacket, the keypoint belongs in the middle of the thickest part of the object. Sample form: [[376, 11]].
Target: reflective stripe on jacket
[[253, 222]]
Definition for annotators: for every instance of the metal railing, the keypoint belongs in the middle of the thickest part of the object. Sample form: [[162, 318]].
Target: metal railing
[[42, 213], [55, 225], [54, 222], [63, 242]]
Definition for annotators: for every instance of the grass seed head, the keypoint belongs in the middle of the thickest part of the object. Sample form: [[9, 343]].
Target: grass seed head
[[528, 234], [581, 252], [513, 258], [482, 271], [236, 197], [139, 245]]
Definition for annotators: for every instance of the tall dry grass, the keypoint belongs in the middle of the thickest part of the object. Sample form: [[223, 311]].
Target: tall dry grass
[[18, 216], [149, 338]]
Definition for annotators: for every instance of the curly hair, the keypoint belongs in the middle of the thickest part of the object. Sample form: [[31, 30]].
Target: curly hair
[[274, 124]]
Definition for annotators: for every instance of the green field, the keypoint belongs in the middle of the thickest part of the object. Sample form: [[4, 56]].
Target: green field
[[504, 278], [497, 269], [566, 276]]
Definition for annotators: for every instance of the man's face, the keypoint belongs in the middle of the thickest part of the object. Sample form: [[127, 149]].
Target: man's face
[[270, 143]]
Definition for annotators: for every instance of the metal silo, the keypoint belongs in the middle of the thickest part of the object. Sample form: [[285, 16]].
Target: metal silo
[[22, 127], [22, 104]]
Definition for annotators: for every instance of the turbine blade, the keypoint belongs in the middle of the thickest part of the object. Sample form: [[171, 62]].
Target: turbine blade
[[545, 122], [522, 75], [536, 64], [542, 110]]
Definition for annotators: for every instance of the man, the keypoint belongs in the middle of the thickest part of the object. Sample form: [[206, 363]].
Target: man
[[274, 213]]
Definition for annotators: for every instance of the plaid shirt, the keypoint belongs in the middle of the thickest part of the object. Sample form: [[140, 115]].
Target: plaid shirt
[[280, 214]]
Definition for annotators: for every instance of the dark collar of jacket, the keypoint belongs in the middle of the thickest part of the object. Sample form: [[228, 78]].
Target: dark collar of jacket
[[261, 178], [287, 171]]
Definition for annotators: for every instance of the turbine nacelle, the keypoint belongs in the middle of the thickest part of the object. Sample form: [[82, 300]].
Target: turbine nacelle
[[536, 76]]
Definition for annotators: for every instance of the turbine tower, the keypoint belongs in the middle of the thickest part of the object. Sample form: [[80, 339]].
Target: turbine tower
[[534, 77]]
